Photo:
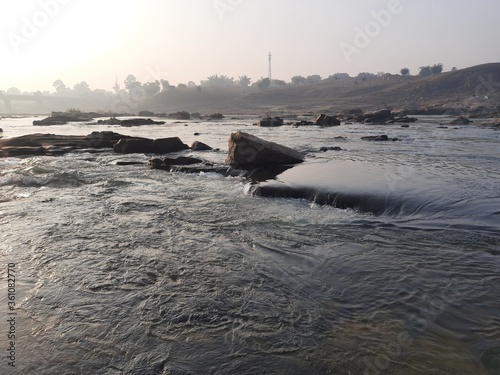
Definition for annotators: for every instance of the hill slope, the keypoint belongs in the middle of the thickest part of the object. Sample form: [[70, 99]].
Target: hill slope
[[466, 88]]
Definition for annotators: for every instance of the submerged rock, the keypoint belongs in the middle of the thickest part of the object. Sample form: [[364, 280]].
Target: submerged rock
[[130, 122], [167, 163], [333, 148], [51, 144], [149, 146], [461, 121], [200, 146], [248, 151], [303, 123], [325, 120], [271, 122], [60, 120], [378, 138]]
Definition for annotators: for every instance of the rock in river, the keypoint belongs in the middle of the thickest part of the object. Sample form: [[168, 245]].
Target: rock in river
[[200, 146], [149, 146], [378, 138], [248, 151], [325, 120], [461, 121]]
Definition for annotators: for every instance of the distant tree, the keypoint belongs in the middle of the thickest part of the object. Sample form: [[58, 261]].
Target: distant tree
[[437, 68], [60, 86], [165, 85], [244, 81], [298, 80], [279, 82], [339, 76], [182, 86], [116, 87], [454, 69], [404, 71], [425, 71], [191, 84], [151, 88], [264, 83], [13, 91], [199, 88], [100, 93], [82, 88], [218, 81], [380, 74], [313, 78], [364, 76], [131, 83]]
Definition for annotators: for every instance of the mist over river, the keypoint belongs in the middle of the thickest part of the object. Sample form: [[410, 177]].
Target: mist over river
[[381, 258]]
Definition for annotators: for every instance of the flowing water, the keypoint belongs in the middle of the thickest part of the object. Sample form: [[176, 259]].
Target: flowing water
[[386, 261]]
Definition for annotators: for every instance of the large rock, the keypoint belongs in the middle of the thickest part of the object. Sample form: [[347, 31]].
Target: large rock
[[325, 120], [461, 121], [60, 120], [134, 145], [149, 146], [200, 146], [248, 151], [381, 116], [270, 122], [168, 145], [52, 144], [378, 138]]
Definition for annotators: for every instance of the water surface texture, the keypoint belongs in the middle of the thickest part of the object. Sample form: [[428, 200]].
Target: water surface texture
[[126, 270]]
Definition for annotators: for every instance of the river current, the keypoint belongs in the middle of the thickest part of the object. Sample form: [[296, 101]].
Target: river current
[[127, 270]]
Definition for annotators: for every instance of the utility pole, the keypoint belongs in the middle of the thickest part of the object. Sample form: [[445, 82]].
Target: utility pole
[[270, 76]]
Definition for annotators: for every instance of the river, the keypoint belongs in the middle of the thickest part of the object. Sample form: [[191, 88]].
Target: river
[[388, 264]]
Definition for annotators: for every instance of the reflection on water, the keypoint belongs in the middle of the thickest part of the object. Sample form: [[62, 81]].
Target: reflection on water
[[124, 270]]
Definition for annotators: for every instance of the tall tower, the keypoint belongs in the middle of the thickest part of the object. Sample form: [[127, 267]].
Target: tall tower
[[269, 75]]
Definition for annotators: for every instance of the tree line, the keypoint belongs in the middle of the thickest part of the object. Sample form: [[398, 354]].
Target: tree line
[[131, 86]]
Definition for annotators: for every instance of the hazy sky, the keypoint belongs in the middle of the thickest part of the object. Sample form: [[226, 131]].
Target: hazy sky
[[188, 40]]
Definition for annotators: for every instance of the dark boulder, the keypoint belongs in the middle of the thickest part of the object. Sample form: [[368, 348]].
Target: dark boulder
[[461, 121], [382, 116], [216, 116], [134, 145], [60, 120], [333, 148], [180, 115], [378, 138], [140, 122], [325, 120], [303, 123], [166, 164], [200, 146], [149, 146], [125, 163], [404, 119], [8, 151], [248, 151], [182, 160], [52, 144], [168, 145], [111, 121], [270, 122]]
